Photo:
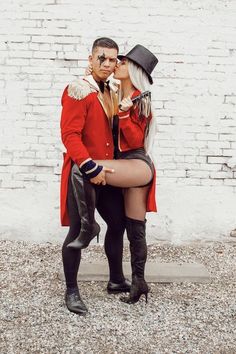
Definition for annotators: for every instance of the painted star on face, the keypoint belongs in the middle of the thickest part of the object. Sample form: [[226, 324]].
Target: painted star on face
[[101, 58]]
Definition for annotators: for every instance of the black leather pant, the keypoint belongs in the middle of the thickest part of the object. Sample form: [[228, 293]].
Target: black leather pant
[[110, 205]]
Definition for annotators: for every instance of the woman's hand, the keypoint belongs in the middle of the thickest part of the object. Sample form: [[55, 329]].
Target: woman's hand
[[89, 70], [101, 177], [125, 104]]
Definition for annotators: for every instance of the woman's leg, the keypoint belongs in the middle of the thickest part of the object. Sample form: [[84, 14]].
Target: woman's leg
[[127, 173], [136, 202], [135, 207]]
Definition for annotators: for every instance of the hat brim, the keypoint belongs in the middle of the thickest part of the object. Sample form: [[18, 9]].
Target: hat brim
[[120, 57]]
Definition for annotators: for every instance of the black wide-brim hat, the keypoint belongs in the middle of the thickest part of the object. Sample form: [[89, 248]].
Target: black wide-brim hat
[[142, 57]]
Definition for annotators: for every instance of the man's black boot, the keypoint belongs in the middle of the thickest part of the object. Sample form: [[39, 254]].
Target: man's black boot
[[74, 302], [115, 288]]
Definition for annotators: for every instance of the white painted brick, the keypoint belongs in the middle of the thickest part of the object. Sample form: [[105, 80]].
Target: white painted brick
[[41, 154], [188, 182], [19, 169], [25, 177], [45, 55], [174, 173], [212, 182], [46, 178], [230, 182], [218, 144], [220, 174], [23, 161], [198, 174], [227, 137], [5, 161], [30, 154], [17, 62], [45, 45], [201, 159], [166, 181], [46, 163], [9, 184], [217, 159], [41, 170], [18, 153], [228, 152], [207, 136], [210, 167]]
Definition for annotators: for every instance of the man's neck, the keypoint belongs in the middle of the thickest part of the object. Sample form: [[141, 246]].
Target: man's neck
[[97, 79]]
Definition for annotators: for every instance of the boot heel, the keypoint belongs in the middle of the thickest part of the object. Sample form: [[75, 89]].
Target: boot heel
[[85, 237]]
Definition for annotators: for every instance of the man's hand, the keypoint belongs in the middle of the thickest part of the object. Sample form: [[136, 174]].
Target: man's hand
[[101, 177]]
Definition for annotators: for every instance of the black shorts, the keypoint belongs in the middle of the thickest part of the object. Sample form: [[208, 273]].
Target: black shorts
[[139, 154]]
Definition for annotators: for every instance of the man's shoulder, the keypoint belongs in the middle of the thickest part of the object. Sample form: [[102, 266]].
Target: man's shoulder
[[80, 88]]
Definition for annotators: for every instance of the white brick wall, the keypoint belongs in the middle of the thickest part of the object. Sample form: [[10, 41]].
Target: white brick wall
[[44, 44]]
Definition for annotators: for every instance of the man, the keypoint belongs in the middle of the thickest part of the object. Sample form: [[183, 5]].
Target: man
[[86, 121]]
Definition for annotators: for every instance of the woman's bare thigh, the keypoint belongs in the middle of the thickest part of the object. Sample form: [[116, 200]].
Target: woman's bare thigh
[[127, 173]]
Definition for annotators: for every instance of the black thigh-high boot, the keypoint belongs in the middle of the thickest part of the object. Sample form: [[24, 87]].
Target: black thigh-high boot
[[71, 258], [136, 233], [85, 196]]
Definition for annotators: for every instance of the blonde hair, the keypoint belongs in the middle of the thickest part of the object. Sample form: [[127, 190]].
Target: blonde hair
[[141, 82]]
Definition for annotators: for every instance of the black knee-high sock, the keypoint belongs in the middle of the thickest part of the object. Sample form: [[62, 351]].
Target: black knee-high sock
[[71, 257]]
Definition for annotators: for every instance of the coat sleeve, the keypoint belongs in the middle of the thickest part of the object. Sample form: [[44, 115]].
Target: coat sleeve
[[132, 127], [72, 123]]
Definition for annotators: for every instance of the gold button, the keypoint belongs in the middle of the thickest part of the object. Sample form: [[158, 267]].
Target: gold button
[[108, 144], [106, 154]]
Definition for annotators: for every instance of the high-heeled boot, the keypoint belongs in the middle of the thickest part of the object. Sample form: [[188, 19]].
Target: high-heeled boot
[[86, 199], [136, 233]]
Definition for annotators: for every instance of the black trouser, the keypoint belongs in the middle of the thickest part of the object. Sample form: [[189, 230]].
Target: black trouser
[[110, 205]]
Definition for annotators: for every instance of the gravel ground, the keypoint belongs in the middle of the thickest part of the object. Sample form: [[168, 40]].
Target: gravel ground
[[178, 318]]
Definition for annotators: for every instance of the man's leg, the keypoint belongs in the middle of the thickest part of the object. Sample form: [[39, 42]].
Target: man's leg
[[110, 205], [71, 258]]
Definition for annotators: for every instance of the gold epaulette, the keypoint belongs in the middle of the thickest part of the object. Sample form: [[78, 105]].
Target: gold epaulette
[[79, 89]]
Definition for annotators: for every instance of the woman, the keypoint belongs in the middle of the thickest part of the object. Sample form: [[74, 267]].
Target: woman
[[133, 169]]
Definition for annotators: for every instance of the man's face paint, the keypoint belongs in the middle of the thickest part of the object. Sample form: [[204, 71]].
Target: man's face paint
[[101, 58], [103, 61]]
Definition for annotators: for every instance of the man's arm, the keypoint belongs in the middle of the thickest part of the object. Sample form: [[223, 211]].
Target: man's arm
[[72, 124]]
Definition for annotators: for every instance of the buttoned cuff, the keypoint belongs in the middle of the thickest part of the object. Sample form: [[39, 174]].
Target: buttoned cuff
[[90, 169]]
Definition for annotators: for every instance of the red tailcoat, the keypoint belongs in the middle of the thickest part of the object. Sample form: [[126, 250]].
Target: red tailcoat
[[86, 133]]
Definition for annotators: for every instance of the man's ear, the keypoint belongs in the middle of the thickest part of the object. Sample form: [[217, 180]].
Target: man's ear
[[90, 58]]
